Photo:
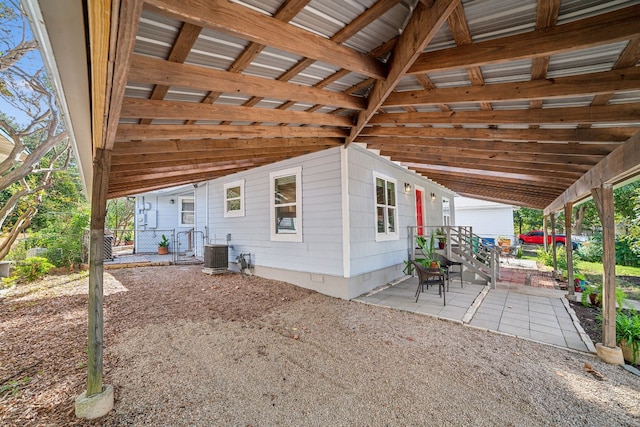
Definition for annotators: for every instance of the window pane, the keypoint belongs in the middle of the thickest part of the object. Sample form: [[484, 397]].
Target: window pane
[[391, 218], [233, 192], [391, 193], [286, 220], [380, 220], [233, 205], [187, 217], [380, 191], [188, 205], [285, 190]]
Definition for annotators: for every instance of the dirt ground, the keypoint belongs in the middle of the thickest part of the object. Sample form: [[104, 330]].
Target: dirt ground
[[185, 348]]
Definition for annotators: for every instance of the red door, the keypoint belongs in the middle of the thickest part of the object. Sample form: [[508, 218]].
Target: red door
[[419, 214]]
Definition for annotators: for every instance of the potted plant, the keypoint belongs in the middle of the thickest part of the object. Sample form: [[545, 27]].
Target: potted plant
[[163, 246], [442, 238], [128, 238], [628, 335], [428, 251]]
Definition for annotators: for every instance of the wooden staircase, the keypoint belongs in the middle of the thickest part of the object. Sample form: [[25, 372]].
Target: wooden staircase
[[477, 257]]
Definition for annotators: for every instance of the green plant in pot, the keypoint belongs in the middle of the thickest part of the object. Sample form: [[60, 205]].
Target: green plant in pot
[[628, 335], [163, 246], [428, 250], [442, 238]]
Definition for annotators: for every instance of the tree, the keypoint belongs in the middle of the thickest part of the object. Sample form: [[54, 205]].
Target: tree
[[41, 145]]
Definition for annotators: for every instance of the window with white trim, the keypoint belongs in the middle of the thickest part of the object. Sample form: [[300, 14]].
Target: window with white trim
[[286, 205], [234, 199], [386, 208], [187, 212], [446, 211]]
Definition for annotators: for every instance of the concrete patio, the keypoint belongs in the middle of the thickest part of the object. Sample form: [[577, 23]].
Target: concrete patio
[[538, 314]]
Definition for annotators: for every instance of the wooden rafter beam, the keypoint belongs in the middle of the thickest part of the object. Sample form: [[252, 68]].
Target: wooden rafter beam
[[622, 163], [144, 132], [481, 155], [421, 28], [180, 146], [403, 156], [601, 114], [410, 143], [242, 22], [497, 168], [185, 40], [145, 108], [536, 185], [145, 69], [619, 134], [127, 29], [602, 29], [625, 79], [143, 161]]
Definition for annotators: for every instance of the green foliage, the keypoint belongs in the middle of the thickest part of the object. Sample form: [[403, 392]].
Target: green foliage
[[164, 242], [429, 250], [61, 239], [32, 269], [546, 257], [60, 201], [621, 297], [525, 219], [591, 250], [628, 329]]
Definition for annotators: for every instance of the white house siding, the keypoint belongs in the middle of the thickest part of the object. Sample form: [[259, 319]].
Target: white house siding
[[320, 252], [488, 219], [161, 217], [385, 257]]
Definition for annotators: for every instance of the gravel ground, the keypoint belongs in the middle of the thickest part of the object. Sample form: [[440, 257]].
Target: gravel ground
[[187, 349]]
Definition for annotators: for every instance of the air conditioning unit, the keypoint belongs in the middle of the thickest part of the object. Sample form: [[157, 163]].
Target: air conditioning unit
[[216, 256]]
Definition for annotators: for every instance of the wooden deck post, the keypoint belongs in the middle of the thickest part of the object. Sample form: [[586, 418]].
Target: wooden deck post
[[545, 228], [568, 245], [603, 198], [101, 166], [553, 243]]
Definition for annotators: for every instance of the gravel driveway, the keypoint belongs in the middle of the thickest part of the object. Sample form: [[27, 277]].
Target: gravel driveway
[[187, 349]]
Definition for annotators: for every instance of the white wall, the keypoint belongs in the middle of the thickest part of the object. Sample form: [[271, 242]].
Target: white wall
[[488, 219], [321, 248]]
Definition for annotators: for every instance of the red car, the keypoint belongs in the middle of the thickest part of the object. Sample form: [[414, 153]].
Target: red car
[[536, 237]]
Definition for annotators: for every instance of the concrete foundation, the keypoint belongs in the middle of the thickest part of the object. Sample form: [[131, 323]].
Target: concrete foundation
[[95, 406], [611, 355]]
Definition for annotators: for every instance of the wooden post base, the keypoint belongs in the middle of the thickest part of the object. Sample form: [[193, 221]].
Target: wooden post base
[[610, 355]]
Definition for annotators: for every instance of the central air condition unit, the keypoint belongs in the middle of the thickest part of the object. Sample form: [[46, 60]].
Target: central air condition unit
[[216, 256]]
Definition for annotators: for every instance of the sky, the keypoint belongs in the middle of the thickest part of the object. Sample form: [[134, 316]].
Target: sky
[[11, 32]]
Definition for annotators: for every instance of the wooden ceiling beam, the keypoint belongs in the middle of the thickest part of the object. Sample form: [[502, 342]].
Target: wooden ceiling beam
[[146, 160], [502, 146], [598, 30], [185, 40], [421, 28], [144, 132], [499, 169], [153, 109], [598, 114], [616, 134], [145, 69], [625, 79], [481, 155], [497, 165], [624, 162], [153, 146], [244, 23], [537, 185]]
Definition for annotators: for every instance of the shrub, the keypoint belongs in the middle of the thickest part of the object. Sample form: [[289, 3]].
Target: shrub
[[591, 251], [32, 268], [628, 330]]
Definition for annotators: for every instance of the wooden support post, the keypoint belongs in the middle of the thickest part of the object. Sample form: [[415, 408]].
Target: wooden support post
[[545, 237], [553, 243], [568, 246], [101, 166], [603, 198]]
